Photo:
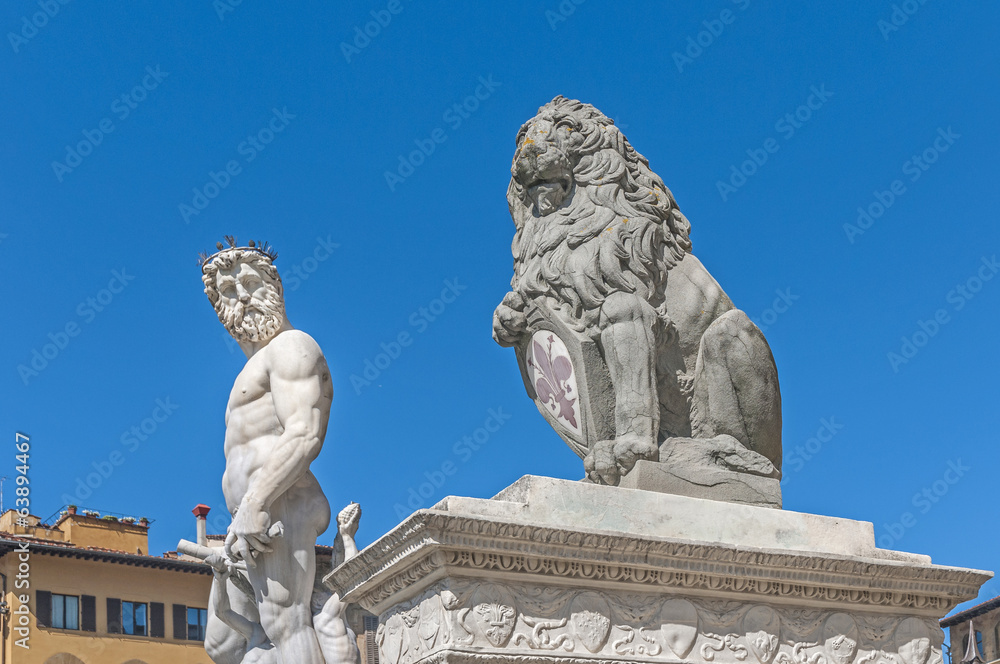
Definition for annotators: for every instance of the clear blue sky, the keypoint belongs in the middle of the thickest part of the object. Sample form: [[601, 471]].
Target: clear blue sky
[[197, 87]]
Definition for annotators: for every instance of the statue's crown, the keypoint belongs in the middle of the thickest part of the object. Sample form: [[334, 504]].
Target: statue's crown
[[262, 248]]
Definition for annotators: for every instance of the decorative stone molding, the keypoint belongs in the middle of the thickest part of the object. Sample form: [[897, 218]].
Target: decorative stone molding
[[430, 544], [558, 572], [462, 620]]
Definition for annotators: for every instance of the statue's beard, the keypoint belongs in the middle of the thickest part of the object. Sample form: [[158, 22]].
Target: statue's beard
[[253, 328]]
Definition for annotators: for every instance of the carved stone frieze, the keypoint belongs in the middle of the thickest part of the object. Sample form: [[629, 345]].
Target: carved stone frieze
[[465, 620], [558, 572]]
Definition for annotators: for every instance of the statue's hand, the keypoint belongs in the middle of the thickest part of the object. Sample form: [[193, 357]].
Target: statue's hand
[[219, 565], [248, 535], [347, 520], [509, 321]]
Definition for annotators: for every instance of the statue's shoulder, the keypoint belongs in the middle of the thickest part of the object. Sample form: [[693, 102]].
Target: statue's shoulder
[[296, 350]]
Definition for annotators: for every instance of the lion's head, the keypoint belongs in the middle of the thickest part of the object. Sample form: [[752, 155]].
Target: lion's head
[[591, 217]]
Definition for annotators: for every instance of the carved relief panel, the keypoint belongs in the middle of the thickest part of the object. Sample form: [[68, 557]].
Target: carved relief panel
[[520, 621]]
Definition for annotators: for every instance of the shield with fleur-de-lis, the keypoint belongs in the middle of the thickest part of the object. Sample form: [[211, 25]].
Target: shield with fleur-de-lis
[[567, 378]]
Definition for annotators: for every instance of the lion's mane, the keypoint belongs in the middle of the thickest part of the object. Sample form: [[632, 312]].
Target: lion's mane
[[618, 230]]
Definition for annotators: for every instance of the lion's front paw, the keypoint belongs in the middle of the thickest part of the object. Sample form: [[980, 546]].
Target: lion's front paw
[[600, 463], [629, 449], [509, 321], [609, 460]]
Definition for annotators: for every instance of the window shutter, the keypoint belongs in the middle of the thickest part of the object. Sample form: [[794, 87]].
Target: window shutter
[[371, 646], [114, 616], [156, 620], [180, 622], [43, 608], [89, 606]]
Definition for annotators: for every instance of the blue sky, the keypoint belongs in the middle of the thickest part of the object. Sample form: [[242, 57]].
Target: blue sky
[[287, 121]]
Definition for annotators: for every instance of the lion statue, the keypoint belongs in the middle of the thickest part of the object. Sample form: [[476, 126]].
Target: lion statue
[[602, 260]]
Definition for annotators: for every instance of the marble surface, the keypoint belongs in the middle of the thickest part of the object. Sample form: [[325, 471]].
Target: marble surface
[[605, 282], [262, 607], [574, 572]]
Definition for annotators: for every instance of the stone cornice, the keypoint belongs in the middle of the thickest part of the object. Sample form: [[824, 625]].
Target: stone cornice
[[431, 543]]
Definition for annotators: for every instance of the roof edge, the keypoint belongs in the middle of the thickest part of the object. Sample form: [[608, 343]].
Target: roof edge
[[970, 613]]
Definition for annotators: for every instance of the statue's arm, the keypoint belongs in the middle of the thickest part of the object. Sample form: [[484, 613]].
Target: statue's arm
[[224, 612], [219, 597], [300, 393]]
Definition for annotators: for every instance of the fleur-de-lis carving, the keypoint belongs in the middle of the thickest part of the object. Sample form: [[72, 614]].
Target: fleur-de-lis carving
[[553, 386], [495, 614]]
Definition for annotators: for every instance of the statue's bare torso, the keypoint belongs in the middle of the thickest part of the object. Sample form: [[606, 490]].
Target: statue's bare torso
[[252, 424]]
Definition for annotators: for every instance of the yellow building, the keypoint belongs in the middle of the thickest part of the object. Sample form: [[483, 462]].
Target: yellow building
[[85, 590]]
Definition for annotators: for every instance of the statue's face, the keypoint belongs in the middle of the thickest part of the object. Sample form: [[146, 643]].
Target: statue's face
[[250, 304], [542, 167]]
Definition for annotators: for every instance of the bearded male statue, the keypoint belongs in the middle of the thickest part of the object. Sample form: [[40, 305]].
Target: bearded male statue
[[276, 420], [629, 347]]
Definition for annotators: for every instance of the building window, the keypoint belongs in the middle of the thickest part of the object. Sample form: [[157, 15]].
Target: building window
[[134, 618], [370, 655], [65, 612], [196, 619], [189, 623]]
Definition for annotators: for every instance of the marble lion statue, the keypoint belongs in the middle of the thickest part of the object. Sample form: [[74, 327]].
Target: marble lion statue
[[601, 245]]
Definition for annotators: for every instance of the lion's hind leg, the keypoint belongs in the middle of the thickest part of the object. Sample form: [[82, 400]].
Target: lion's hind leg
[[736, 386]]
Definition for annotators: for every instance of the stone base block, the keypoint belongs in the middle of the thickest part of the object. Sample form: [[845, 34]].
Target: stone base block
[[567, 572], [714, 484], [717, 468]]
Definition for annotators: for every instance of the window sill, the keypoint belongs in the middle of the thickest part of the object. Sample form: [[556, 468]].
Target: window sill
[[131, 637]]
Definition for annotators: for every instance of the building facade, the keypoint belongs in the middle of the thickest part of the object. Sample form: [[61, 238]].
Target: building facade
[[981, 625], [85, 590]]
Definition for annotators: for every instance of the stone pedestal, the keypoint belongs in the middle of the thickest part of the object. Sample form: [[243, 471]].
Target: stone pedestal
[[718, 468], [559, 571]]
